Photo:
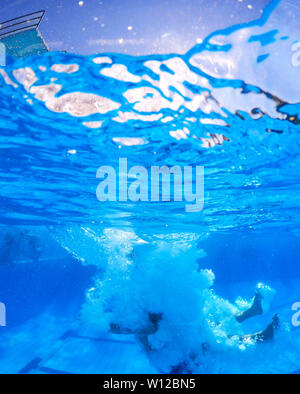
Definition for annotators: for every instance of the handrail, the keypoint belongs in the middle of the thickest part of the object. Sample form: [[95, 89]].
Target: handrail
[[36, 18], [20, 23]]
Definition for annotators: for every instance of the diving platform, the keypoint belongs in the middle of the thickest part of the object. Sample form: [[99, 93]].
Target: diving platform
[[21, 36]]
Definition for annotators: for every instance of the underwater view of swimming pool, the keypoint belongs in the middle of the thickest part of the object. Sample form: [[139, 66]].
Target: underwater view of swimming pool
[[150, 203]]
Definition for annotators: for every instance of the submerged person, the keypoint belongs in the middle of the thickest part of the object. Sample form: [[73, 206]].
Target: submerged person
[[35, 248], [191, 363], [143, 333], [260, 337], [10, 250], [256, 309], [19, 243], [187, 367]]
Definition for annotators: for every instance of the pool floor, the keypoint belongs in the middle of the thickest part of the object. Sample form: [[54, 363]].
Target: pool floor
[[54, 340]]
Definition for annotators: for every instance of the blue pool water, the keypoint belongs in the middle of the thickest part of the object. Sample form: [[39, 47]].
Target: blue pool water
[[70, 265]]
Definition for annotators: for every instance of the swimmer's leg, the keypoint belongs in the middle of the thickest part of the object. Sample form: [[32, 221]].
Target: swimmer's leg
[[255, 310], [265, 335], [144, 340], [150, 329], [142, 334]]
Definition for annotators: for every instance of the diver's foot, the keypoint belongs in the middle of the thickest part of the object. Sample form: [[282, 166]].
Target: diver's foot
[[255, 310], [257, 307]]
